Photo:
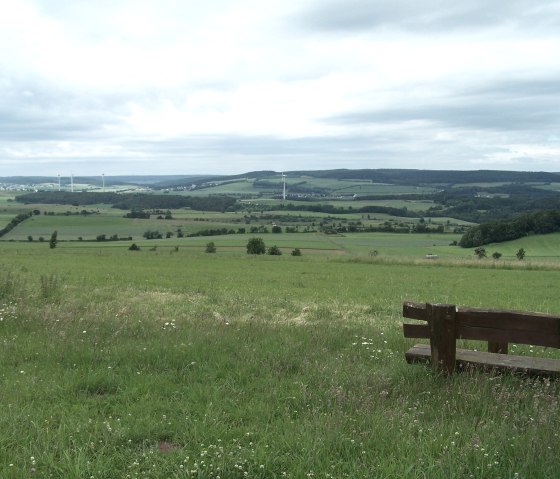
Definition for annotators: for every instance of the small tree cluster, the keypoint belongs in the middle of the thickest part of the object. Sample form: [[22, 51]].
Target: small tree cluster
[[53, 240], [274, 251], [152, 234], [256, 246], [210, 247], [480, 252]]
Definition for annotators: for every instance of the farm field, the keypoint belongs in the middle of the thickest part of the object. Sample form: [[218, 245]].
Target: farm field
[[185, 364], [336, 187]]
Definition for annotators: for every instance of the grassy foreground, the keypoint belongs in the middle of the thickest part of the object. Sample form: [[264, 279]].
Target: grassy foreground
[[184, 364]]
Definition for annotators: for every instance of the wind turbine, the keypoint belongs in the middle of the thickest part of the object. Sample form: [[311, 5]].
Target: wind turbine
[[284, 189], [59, 182], [103, 178], [72, 182]]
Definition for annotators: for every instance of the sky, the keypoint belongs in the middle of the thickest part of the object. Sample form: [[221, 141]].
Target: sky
[[125, 87]]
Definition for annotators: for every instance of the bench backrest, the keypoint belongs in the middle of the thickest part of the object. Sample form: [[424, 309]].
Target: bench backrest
[[519, 327]]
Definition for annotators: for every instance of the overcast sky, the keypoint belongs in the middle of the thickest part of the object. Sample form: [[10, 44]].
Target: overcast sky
[[229, 86]]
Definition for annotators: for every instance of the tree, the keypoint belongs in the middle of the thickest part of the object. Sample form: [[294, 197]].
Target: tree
[[256, 246], [30, 238], [276, 229], [274, 251], [496, 255], [480, 252], [134, 247], [152, 234], [210, 247], [520, 254], [296, 252], [53, 241]]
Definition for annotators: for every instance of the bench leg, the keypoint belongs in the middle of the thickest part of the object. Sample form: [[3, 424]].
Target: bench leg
[[441, 319], [497, 347]]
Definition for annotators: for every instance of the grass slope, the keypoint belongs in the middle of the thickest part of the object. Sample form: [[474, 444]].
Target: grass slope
[[183, 364]]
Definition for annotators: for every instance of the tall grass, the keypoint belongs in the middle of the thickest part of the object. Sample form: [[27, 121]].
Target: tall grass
[[194, 365]]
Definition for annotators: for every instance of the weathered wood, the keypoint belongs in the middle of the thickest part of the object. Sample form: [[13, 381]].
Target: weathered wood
[[441, 321], [499, 347], [520, 327], [510, 336], [446, 324], [509, 320], [414, 310], [502, 362], [416, 330]]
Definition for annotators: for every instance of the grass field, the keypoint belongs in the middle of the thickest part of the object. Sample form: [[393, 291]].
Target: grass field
[[336, 187], [181, 364]]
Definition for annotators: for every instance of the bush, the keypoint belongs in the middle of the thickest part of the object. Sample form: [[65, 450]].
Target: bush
[[256, 246], [496, 255], [520, 254], [276, 229], [480, 252], [296, 252], [210, 247], [53, 240], [134, 247], [274, 251], [152, 234]]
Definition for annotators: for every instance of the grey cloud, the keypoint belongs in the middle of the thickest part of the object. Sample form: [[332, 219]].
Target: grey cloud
[[429, 15], [507, 106], [37, 111]]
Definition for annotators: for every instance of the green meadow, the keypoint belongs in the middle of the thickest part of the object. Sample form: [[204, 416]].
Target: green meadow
[[174, 363]]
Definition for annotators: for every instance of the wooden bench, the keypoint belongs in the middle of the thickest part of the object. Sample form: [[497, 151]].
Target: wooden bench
[[447, 323]]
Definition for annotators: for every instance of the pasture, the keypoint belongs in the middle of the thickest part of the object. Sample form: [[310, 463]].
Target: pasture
[[175, 363]]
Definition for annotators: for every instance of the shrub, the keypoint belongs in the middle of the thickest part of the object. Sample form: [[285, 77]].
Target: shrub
[[274, 251], [53, 241], [210, 247], [134, 247], [256, 246], [496, 255], [520, 254], [296, 252], [480, 252], [152, 234]]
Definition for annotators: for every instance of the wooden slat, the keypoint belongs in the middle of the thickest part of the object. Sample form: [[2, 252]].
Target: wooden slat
[[416, 330], [508, 320], [498, 347], [508, 336], [503, 362], [441, 320], [414, 310]]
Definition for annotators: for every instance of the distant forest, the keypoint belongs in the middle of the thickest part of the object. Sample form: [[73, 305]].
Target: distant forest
[[130, 201], [541, 222]]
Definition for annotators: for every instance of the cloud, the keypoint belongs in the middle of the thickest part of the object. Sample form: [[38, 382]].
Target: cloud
[[509, 105], [430, 16], [224, 86]]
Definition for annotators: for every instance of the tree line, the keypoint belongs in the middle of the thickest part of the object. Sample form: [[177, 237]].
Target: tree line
[[130, 201], [540, 222], [14, 222]]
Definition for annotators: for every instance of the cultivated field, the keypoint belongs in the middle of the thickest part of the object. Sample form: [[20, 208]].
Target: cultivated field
[[176, 363]]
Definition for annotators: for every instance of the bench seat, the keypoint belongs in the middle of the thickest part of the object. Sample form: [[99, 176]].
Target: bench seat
[[504, 362]]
